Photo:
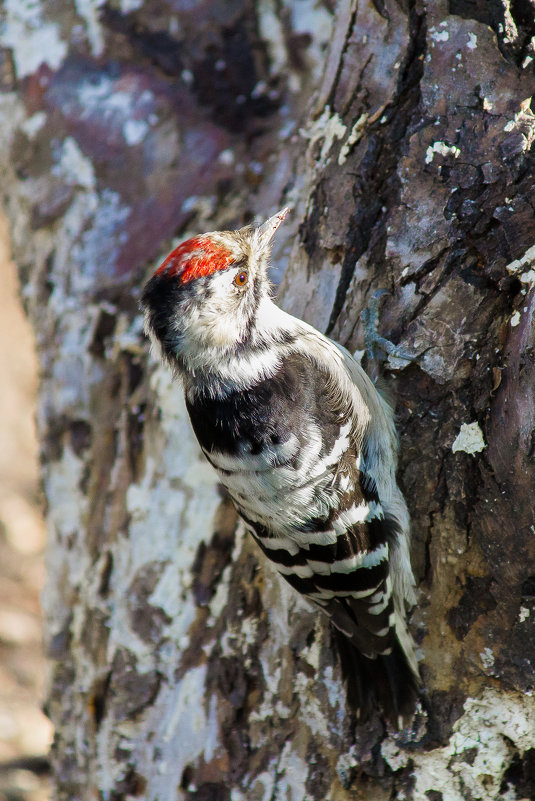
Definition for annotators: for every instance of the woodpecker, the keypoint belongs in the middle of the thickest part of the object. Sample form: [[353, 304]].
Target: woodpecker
[[305, 446]]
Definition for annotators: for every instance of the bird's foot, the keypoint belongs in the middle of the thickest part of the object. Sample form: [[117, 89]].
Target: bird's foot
[[379, 349]]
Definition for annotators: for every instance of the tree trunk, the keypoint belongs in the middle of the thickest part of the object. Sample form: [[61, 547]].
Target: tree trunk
[[400, 133]]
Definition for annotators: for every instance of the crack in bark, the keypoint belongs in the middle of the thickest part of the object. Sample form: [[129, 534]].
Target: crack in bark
[[385, 146], [334, 86]]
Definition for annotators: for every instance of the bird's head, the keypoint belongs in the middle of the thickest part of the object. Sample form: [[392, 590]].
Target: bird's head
[[201, 303]]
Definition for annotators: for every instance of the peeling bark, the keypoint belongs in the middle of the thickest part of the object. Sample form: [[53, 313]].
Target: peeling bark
[[401, 134]]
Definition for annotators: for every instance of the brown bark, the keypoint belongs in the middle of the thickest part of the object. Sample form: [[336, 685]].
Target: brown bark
[[183, 668]]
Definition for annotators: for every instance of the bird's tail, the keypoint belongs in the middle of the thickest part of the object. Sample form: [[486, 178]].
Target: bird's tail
[[388, 682]]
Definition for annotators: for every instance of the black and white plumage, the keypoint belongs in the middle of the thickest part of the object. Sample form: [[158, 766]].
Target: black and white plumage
[[304, 444]]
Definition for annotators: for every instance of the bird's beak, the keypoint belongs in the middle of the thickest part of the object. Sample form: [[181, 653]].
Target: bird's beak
[[267, 230]]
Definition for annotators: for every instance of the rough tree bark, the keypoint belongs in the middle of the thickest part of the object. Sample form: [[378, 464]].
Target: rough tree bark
[[400, 132]]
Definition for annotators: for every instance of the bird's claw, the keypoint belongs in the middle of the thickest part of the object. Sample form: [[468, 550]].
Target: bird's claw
[[398, 358]]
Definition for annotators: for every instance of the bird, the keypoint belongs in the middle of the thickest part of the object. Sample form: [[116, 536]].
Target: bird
[[305, 445]]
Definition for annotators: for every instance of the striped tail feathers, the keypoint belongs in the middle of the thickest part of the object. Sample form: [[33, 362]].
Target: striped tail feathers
[[386, 683], [377, 653], [376, 650], [355, 588]]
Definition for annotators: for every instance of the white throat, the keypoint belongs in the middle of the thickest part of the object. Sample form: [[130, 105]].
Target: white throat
[[240, 363]]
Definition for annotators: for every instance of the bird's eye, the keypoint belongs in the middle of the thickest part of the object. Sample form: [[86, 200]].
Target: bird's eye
[[241, 278]]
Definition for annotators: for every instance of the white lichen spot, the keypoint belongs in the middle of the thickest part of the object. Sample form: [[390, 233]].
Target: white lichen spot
[[310, 706], [100, 243], [130, 5], [312, 19], [393, 755], [187, 76], [487, 658], [327, 128], [128, 336], [292, 775], [219, 600], [32, 40], [439, 36], [517, 266], [307, 17], [491, 729], [346, 763], [523, 116], [249, 630], [263, 784], [472, 41], [282, 710], [515, 319], [33, 124], [67, 510], [201, 204], [165, 596], [523, 614], [124, 108], [524, 268], [212, 741], [67, 505], [528, 278], [89, 11], [355, 134], [311, 654], [188, 706], [264, 711], [134, 131], [442, 149], [287, 128], [469, 439], [72, 165], [272, 33], [226, 157], [229, 642], [335, 690], [259, 89]]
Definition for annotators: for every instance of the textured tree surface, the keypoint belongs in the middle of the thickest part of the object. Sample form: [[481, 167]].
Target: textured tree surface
[[400, 133]]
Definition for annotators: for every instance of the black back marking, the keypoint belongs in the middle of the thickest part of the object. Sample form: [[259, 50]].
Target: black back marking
[[267, 413]]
